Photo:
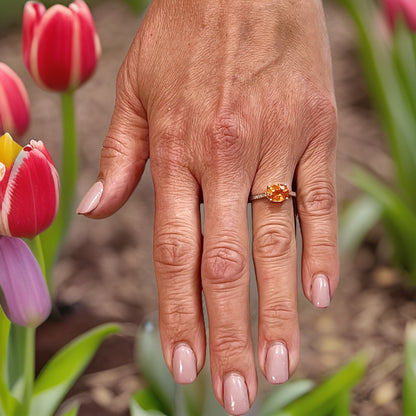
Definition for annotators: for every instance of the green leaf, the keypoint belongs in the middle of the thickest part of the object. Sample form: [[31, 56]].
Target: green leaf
[[16, 361], [4, 336], [283, 394], [8, 403], [137, 6], [387, 93], [152, 365], [409, 382], [356, 220], [405, 60], [72, 410], [343, 405], [399, 219], [145, 403], [323, 399], [61, 372]]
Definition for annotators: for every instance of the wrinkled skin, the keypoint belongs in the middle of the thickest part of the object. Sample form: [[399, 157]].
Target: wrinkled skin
[[225, 97]]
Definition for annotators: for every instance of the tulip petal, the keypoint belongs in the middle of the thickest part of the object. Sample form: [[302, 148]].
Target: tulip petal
[[392, 8], [409, 13], [401, 8], [31, 198], [52, 48], [60, 45], [14, 102], [25, 297], [87, 47], [32, 15]]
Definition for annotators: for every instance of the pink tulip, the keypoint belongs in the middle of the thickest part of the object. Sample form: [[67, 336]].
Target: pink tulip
[[25, 299], [14, 102], [29, 188], [60, 45], [404, 8]]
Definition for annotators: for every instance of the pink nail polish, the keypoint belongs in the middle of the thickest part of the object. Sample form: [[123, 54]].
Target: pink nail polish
[[184, 364], [320, 291], [277, 364], [235, 395], [91, 199]]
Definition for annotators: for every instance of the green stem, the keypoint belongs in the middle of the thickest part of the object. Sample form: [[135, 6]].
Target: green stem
[[69, 171], [29, 369], [25, 337], [52, 238], [35, 245]]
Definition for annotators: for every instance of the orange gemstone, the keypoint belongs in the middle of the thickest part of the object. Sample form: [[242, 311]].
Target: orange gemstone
[[277, 193]]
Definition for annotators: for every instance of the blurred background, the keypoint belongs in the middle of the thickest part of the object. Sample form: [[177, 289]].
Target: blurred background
[[106, 272]]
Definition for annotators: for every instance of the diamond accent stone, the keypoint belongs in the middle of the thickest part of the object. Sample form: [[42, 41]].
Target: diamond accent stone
[[277, 193]]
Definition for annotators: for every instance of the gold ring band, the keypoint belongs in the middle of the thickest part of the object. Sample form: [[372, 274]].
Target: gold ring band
[[275, 193]]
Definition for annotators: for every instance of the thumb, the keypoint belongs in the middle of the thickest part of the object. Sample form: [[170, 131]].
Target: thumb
[[123, 155]]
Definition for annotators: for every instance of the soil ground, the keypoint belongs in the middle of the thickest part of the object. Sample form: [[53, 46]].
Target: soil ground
[[106, 274]]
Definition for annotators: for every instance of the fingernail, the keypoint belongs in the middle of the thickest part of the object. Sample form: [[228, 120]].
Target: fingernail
[[235, 395], [184, 364], [320, 291], [277, 364], [91, 199]]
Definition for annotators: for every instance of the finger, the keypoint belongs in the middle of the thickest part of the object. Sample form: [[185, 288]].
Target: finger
[[317, 209], [274, 254], [123, 155], [177, 256], [225, 280]]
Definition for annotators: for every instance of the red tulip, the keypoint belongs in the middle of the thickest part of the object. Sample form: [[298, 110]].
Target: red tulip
[[29, 188], [25, 299], [405, 8], [60, 45], [14, 102]]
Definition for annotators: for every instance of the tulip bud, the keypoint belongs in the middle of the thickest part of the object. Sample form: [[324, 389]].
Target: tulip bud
[[14, 102], [404, 8], [29, 188], [60, 45], [25, 296]]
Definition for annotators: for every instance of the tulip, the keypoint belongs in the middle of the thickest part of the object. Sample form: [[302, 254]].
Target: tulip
[[29, 188], [404, 8], [60, 45], [25, 299], [14, 102]]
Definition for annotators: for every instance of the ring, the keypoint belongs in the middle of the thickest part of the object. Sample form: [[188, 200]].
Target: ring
[[275, 193]]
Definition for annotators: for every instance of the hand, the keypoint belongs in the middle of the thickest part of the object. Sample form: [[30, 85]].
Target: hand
[[226, 97]]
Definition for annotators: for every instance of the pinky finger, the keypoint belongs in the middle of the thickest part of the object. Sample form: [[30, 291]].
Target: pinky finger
[[317, 209]]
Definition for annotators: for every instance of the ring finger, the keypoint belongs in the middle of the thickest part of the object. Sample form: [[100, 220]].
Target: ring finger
[[274, 254]]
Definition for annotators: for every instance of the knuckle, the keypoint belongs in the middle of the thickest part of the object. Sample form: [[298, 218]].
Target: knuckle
[[324, 116], [273, 241], [177, 313], [172, 251], [169, 148], [226, 136], [113, 148], [278, 313], [168, 152], [319, 199], [224, 265], [229, 344]]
